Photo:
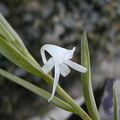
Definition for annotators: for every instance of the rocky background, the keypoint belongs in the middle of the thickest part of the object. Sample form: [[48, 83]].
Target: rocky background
[[59, 22]]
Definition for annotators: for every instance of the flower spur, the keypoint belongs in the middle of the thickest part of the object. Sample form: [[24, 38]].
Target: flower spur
[[60, 59]]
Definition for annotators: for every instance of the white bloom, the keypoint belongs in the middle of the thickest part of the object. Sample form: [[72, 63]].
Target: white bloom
[[60, 59]]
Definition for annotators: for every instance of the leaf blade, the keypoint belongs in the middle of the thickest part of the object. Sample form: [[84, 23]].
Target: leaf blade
[[116, 106], [58, 102], [17, 58], [86, 80]]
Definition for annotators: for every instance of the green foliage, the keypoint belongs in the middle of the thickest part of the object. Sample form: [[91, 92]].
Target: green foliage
[[86, 80], [116, 106], [12, 47], [33, 19], [36, 90]]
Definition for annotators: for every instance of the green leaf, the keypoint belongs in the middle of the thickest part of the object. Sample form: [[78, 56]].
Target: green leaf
[[116, 105], [11, 37], [17, 58], [58, 102], [12, 47], [86, 80]]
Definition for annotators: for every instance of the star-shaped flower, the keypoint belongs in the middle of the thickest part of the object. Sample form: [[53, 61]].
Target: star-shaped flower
[[60, 59]]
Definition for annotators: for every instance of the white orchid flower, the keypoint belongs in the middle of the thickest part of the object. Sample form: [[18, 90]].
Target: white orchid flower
[[60, 59]]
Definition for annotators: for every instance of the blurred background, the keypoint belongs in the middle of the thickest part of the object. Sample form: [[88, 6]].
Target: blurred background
[[59, 22]]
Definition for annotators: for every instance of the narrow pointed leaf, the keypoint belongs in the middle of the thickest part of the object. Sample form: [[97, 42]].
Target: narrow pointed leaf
[[12, 47], [86, 80], [8, 34], [58, 102], [17, 58], [116, 105], [10, 31]]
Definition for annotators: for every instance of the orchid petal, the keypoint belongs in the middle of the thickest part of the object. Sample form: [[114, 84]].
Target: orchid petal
[[53, 49], [76, 66], [48, 66], [42, 51], [64, 69], [57, 75]]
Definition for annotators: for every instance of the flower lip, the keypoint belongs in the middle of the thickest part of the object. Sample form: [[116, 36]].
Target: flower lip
[[60, 60]]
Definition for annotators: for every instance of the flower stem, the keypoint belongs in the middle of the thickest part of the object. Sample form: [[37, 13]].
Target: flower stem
[[73, 104], [78, 110]]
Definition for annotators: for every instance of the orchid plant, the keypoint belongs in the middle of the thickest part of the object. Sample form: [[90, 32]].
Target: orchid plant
[[61, 60], [12, 47]]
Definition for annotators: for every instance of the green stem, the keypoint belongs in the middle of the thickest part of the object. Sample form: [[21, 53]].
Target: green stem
[[68, 99], [73, 104]]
